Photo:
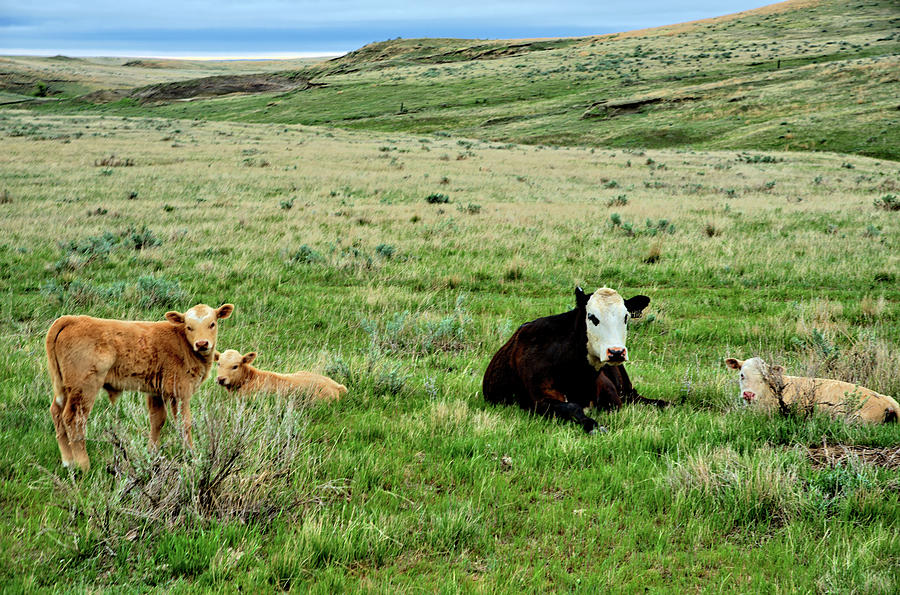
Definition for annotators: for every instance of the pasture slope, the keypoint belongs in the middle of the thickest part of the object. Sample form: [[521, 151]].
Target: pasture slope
[[397, 262], [817, 75]]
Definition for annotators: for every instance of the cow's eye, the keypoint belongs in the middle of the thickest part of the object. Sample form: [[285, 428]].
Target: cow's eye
[[213, 325], [234, 367], [190, 328], [742, 376], [593, 319]]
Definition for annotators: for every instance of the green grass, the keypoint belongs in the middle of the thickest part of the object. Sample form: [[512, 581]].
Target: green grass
[[412, 482]]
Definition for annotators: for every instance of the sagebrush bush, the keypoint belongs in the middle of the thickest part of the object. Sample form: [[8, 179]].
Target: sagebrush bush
[[888, 202], [251, 462], [113, 161], [421, 332]]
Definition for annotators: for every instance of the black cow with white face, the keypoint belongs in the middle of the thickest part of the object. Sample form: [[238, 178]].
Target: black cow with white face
[[558, 365]]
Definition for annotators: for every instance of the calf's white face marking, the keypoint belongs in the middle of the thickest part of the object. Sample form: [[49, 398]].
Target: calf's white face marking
[[753, 377], [200, 326], [606, 320]]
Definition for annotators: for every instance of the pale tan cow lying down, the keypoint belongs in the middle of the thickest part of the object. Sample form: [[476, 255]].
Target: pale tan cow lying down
[[166, 360], [237, 375], [840, 399]]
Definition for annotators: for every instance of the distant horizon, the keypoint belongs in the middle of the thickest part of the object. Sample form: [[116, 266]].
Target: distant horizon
[[197, 56], [202, 29]]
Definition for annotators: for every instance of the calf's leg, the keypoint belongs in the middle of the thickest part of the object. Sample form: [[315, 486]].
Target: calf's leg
[[62, 438], [157, 408], [186, 421], [79, 402]]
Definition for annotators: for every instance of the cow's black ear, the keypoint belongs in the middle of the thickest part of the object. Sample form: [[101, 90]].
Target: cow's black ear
[[581, 299], [636, 305]]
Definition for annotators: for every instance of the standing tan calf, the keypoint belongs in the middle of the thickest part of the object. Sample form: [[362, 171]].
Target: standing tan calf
[[166, 360], [237, 375], [840, 399]]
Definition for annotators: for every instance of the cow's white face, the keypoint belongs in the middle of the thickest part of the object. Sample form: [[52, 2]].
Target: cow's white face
[[200, 325], [607, 323], [754, 373]]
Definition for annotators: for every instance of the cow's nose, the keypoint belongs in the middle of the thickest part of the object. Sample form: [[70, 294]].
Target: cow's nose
[[749, 395], [616, 354], [221, 380], [201, 344]]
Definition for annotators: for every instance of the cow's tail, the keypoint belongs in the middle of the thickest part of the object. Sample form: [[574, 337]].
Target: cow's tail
[[56, 328]]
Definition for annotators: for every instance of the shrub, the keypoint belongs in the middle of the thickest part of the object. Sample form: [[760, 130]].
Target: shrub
[[251, 463], [654, 254], [385, 250], [661, 226], [79, 293], [619, 201], [287, 205], [711, 230], [420, 332], [748, 158], [157, 291], [888, 202], [140, 238], [872, 231], [379, 376], [437, 198], [113, 161], [306, 255]]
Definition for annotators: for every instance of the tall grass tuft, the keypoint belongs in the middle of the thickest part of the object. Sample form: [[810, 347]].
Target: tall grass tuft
[[251, 463]]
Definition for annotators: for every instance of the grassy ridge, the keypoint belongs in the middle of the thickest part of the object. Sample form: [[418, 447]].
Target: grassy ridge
[[796, 76], [337, 263]]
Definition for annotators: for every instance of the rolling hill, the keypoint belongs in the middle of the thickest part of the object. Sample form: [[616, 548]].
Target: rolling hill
[[799, 75]]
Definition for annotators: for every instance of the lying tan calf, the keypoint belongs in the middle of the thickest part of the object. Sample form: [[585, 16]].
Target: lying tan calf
[[237, 375], [760, 380]]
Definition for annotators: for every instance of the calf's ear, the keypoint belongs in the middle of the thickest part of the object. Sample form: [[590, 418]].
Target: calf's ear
[[216, 356], [734, 364], [175, 317], [224, 311], [581, 299], [248, 358], [777, 369], [636, 305]]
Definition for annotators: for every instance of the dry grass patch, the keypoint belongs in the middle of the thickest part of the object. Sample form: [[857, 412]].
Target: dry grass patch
[[844, 454]]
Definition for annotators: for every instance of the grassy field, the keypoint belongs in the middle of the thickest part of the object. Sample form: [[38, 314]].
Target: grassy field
[[337, 262], [62, 77], [805, 75]]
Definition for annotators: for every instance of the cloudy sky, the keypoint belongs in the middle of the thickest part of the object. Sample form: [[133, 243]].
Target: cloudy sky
[[284, 27]]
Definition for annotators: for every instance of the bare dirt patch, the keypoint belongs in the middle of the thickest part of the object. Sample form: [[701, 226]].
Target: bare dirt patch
[[217, 85], [831, 455]]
